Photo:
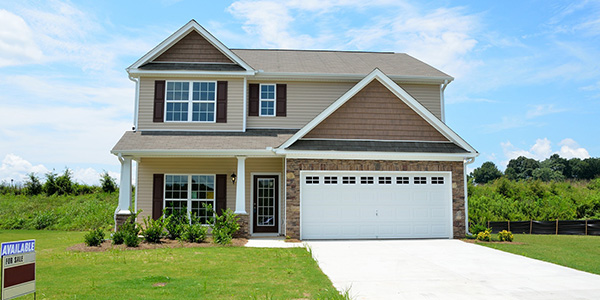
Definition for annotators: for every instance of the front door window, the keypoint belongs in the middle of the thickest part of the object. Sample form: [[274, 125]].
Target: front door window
[[265, 204]]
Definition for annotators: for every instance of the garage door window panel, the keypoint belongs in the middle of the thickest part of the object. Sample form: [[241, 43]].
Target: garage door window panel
[[420, 180]]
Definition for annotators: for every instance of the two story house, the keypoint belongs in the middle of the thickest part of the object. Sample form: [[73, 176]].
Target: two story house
[[302, 143]]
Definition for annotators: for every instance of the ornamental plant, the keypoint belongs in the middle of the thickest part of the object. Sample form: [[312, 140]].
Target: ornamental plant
[[153, 229], [223, 226], [505, 236], [94, 238], [485, 235]]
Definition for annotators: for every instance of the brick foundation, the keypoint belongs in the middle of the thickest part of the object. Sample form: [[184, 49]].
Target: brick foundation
[[294, 166], [244, 231]]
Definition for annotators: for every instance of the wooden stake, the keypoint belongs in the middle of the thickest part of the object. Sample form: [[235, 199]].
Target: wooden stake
[[585, 226], [530, 226], [556, 226], [508, 225]]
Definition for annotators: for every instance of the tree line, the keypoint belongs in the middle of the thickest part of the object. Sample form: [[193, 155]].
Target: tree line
[[58, 184], [554, 168]]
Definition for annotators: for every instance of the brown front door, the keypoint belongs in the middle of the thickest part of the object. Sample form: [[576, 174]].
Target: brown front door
[[265, 204]]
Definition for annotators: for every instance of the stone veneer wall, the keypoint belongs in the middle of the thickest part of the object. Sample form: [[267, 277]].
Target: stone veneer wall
[[244, 222], [294, 166]]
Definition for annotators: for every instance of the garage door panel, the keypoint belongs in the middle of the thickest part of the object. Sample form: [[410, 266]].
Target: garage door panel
[[381, 209]]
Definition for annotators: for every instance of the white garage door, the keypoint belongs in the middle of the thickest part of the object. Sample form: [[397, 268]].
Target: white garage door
[[367, 205]]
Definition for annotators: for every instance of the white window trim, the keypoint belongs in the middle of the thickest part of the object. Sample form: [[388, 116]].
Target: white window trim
[[189, 193], [260, 101], [191, 102]]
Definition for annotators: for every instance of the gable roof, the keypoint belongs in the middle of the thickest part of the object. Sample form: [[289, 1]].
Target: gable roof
[[402, 95], [347, 63], [182, 33]]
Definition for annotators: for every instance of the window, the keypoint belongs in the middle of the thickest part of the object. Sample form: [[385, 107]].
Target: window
[[385, 180], [189, 194], [437, 180], [366, 180], [330, 180], [402, 180], [267, 100], [183, 95], [348, 180], [312, 179], [420, 180]]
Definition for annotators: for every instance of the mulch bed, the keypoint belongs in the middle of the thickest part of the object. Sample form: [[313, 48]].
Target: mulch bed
[[165, 243], [473, 241]]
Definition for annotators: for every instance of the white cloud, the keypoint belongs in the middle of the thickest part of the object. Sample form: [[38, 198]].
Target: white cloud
[[542, 149], [17, 45], [542, 110], [570, 149], [16, 168]]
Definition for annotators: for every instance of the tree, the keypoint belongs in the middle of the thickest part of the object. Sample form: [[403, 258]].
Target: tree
[[486, 173], [50, 187], [107, 183], [521, 168], [64, 183], [33, 186], [547, 174]]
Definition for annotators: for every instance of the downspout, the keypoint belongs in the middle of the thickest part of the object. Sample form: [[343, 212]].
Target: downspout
[[136, 102], [467, 161], [442, 100]]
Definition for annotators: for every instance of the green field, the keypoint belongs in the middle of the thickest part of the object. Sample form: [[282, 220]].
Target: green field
[[573, 251], [186, 273]]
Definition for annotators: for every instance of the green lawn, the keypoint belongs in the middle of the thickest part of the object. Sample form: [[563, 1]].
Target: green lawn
[[189, 273], [578, 252]]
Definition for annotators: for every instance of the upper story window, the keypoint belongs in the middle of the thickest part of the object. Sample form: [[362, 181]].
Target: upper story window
[[267, 100], [190, 101]]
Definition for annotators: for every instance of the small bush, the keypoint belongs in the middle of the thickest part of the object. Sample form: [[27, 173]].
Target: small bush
[[175, 224], [16, 223], [107, 183], [118, 237], [194, 233], [477, 228], [94, 238], [153, 229], [485, 235], [44, 220], [505, 236], [131, 240], [223, 226]]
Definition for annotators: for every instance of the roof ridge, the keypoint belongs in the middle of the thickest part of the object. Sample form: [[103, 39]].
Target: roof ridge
[[316, 50]]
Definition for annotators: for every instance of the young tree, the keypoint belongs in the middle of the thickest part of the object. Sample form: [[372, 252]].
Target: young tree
[[33, 186], [107, 183], [486, 173], [521, 168], [50, 187], [64, 183]]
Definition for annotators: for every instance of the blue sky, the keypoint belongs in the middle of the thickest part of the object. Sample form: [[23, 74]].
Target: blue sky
[[527, 73]]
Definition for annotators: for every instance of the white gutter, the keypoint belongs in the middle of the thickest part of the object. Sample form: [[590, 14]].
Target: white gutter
[[136, 102], [467, 161], [176, 73], [443, 100], [369, 155], [405, 78], [196, 153]]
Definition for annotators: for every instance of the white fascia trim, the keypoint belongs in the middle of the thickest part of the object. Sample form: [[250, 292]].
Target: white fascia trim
[[179, 34], [372, 140], [176, 73], [292, 75], [196, 153], [376, 155], [189, 130], [396, 90]]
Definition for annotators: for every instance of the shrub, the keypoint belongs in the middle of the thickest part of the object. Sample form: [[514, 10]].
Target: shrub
[[194, 233], [107, 183], [485, 235], [153, 229], [175, 224], [118, 237], [44, 220], [477, 228], [223, 226], [128, 232], [94, 237], [33, 186], [505, 236], [131, 240]]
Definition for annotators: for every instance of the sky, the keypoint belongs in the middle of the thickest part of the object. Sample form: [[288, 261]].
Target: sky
[[527, 73]]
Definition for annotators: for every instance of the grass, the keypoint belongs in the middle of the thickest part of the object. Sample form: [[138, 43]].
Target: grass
[[573, 251], [186, 273], [81, 212]]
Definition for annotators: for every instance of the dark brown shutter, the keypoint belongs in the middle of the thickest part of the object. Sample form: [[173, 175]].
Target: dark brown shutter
[[221, 101], [281, 99], [253, 99], [159, 100], [158, 185], [221, 196]]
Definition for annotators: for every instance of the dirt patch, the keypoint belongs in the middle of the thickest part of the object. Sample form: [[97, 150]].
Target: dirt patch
[[293, 241], [165, 243], [492, 242]]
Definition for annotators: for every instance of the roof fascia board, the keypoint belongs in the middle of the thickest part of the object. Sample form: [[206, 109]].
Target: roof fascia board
[[194, 153], [399, 92], [404, 78], [375, 155], [139, 72], [179, 34]]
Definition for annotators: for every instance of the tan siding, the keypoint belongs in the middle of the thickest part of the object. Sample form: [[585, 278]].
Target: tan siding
[[375, 114], [149, 166], [193, 48], [427, 94], [235, 90]]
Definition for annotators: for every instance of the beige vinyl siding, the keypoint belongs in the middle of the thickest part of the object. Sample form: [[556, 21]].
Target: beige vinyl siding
[[197, 166], [235, 92], [305, 100], [427, 94], [193, 48]]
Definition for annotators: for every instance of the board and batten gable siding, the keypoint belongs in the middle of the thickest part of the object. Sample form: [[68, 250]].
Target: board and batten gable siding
[[375, 113], [307, 99], [235, 93], [147, 167], [193, 48]]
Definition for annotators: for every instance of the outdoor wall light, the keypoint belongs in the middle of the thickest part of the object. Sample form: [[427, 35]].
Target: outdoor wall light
[[233, 177]]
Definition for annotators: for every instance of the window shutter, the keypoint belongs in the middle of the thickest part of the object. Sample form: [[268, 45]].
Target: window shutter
[[159, 100], [158, 185], [221, 101], [221, 195], [253, 99], [281, 99]]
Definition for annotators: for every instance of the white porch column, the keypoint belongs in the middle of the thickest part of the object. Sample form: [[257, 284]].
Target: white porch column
[[125, 187], [240, 194]]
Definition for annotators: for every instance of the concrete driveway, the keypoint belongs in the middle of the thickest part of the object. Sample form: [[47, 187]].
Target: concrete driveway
[[445, 269]]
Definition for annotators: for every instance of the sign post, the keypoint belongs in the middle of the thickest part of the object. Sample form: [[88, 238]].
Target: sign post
[[18, 269]]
